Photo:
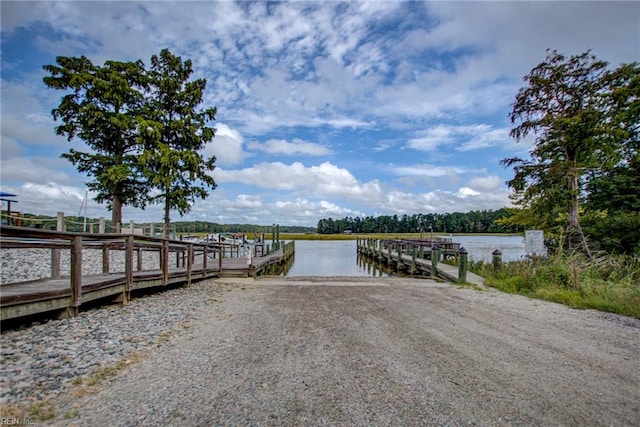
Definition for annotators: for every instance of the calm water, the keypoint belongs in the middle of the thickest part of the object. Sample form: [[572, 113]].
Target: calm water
[[339, 257]]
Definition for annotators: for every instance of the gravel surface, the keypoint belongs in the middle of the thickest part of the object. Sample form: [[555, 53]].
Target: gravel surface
[[42, 359], [369, 351]]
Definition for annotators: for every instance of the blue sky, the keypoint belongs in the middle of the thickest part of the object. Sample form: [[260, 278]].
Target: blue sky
[[325, 109]]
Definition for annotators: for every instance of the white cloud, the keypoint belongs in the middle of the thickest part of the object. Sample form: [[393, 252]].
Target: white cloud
[[427, 170], [324, 180], [467, 137], [434, 78], [297, 146], [226, 146], [488, 183]]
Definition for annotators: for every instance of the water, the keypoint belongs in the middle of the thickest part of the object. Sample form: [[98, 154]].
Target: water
[[480, 248], [327, 258], [340, 258]]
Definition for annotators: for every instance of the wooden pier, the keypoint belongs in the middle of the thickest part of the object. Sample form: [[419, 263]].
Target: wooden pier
[[143, 263], [421, 258]]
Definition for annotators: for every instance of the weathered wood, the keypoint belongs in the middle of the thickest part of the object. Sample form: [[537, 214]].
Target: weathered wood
[[165, 262], [76, 274], [496, 260], [26, 298], [105, 260], [60, 222], [420, 265], [413, 260], [128, 268], [139, 259], [205, 255], [435, 257], [189, 263], [462, 265], [55, 263]]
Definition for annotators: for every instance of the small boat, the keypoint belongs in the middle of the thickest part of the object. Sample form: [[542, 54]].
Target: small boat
[[227, 238]]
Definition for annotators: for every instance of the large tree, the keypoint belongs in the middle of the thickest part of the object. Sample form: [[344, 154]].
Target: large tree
[[174, 132], [100, 109], [566, 106]]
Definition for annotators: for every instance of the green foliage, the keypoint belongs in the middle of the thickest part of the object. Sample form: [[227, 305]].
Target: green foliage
[[584, 119], [101, 110], [608, 283], [486, 221], [143, 129], [618, 232], [173, 134]]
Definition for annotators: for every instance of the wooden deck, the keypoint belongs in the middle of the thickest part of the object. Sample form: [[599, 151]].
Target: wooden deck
[[64, 294], [419, 258]]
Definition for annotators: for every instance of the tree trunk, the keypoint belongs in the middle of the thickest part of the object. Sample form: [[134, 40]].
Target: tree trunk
[[116, 215], [575, 238], [167, 219]]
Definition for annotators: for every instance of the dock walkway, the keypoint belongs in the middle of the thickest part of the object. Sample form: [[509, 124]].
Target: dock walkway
[[65, 292], [420, 258]]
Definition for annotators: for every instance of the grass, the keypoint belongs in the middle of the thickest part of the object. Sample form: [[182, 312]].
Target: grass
[[608, 283]]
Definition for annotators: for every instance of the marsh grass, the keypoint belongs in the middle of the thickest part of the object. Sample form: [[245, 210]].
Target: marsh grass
[[608, 283]]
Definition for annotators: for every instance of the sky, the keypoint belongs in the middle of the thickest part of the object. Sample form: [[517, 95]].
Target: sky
[[325, 109]]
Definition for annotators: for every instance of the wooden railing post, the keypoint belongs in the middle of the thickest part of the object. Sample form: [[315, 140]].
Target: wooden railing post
[[76, 275], [165, 262], [413, 259], [204, 260], [497, 260], [435, 257], [105, 260], [55, 253], [55, 263], [128, 268], [60, 222], [462, 265], [101, 225], [139, 259], [189, 263]]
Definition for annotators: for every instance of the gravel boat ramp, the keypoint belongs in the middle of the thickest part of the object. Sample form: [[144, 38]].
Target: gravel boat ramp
[[328, 351]]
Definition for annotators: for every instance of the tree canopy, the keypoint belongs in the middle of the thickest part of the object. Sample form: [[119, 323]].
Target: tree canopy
[[486, 221], [174, 132], [101, 110], [142, 127], [583, 118]]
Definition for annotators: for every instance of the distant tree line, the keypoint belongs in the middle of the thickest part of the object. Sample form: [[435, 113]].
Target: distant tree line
[[485, 221], [76, 224], [211, 227]]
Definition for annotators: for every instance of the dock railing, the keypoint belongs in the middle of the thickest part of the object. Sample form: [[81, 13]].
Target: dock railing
[[125, 262]]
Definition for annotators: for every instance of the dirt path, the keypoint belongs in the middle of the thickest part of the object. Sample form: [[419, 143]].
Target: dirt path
[[378, 352]]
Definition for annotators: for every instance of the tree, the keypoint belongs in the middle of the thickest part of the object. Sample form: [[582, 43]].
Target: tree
[[565, 106], [173, 132], [100, 110]]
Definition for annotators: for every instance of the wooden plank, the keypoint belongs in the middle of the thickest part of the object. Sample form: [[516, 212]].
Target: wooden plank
[[76, 272], [68, 292]]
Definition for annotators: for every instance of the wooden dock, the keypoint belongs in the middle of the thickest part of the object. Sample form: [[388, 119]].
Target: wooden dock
[[421, 258], [63, 293]]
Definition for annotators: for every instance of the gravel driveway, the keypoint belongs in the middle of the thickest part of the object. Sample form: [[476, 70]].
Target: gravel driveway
[[376, 351]]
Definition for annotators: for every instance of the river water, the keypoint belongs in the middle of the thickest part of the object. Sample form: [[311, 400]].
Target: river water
[[340, 258]]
